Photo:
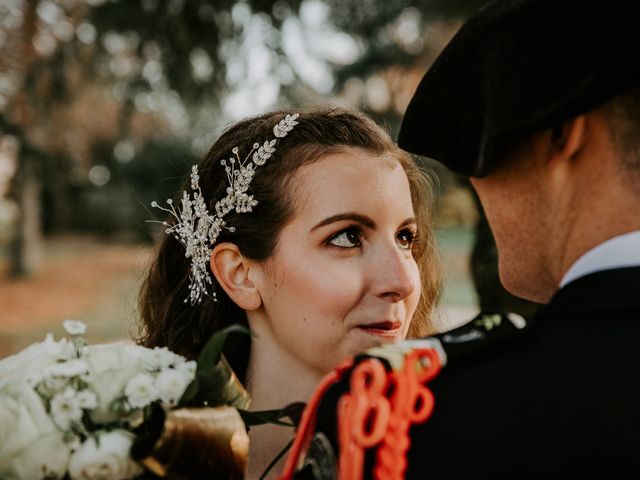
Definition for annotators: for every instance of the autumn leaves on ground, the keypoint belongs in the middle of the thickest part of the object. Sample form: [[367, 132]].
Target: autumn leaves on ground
[[80, 278]]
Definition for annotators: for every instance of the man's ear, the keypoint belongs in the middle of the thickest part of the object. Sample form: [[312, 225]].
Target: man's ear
[[570, 138], [231, 270]]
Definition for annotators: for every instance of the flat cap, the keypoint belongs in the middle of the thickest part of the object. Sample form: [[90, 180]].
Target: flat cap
[[516, 67]]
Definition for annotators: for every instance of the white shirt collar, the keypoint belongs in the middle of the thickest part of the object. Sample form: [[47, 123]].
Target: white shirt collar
[[617, 252]]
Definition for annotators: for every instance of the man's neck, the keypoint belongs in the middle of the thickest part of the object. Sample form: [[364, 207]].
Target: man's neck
[[603, 207]]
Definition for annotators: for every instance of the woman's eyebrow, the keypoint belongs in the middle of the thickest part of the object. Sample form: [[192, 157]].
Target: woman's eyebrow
[[408, 221], [356, 217]]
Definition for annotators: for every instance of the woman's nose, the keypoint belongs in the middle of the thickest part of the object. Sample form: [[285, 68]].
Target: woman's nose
[[395, 273]]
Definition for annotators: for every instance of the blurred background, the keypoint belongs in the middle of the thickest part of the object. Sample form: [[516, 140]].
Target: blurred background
[[105, 104]]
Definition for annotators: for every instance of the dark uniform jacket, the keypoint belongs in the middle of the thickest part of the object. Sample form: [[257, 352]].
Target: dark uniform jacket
[[560, 397]]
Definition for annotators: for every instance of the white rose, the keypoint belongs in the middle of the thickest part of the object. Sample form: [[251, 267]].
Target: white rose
[[111, 366], [74, 327], [106, 459], [141, 391], [56, 377], [23, 420], [33, 360], [46, 456], [171, 384], [70, 368]]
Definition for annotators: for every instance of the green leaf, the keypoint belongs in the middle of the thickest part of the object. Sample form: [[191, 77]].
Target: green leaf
[[292, 411], [215, 382], [190, 392], [212, 351], [220, 386]]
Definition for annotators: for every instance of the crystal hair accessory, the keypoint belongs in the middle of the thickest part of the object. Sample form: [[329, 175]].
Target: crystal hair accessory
[[197, 229]]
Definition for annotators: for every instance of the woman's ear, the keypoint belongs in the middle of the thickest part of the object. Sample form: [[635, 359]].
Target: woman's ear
[[231, 270]]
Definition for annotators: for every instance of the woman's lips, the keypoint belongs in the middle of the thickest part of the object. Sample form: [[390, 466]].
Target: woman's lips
[[383, 329]]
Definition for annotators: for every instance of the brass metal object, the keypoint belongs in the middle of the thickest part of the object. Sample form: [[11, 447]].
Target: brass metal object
[[201, 443]]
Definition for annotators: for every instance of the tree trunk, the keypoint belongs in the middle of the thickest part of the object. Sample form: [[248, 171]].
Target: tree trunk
[[26, 246]]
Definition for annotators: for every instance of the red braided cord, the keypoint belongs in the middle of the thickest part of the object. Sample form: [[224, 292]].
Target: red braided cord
[[366, 408], [308, 420], [360, 409], [363, 416]]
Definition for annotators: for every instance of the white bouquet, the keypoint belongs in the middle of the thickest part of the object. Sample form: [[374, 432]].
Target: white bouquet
[[71, 410]]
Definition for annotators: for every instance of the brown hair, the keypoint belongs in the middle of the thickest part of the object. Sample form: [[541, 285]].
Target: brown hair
[[168, 321], [623, 114]]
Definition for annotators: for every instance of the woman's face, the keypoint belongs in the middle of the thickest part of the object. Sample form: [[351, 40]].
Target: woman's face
[[342, 278]]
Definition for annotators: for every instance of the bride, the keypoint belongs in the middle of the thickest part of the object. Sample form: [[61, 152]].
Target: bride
[[315, 233]]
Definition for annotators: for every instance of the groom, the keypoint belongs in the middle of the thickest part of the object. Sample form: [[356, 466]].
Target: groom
[[538, 101]]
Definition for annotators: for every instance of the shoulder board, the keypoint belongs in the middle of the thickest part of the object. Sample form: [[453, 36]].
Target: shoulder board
[[484, 333]]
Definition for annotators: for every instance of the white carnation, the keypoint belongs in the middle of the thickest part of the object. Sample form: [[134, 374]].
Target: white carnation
[[188, 369], [65, 408], [171, 384], [160, 358], [87, 399], [63, 349], [52, 385], [141, 391], [74, 327], [105, 459]]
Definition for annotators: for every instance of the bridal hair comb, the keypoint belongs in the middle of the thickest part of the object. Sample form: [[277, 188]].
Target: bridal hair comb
[[197, 229]]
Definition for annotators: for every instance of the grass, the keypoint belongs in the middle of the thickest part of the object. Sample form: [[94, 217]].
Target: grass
[[80, 278]]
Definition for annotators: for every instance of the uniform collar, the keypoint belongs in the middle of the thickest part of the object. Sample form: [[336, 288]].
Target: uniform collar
[[597, 295], [617, 252]]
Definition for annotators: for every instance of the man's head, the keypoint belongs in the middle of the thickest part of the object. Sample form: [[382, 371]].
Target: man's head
[[559, 192], [539, 102]]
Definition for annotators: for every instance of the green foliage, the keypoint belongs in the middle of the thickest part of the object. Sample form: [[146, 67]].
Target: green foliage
[[162, 37], [292, 411], [369, 20], [215, 383], [177, 28]]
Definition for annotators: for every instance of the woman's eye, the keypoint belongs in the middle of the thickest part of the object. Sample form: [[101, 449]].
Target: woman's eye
[[405, 239], [349, 238]]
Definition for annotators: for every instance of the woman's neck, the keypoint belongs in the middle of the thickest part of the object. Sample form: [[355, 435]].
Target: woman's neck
[[275, 379]]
